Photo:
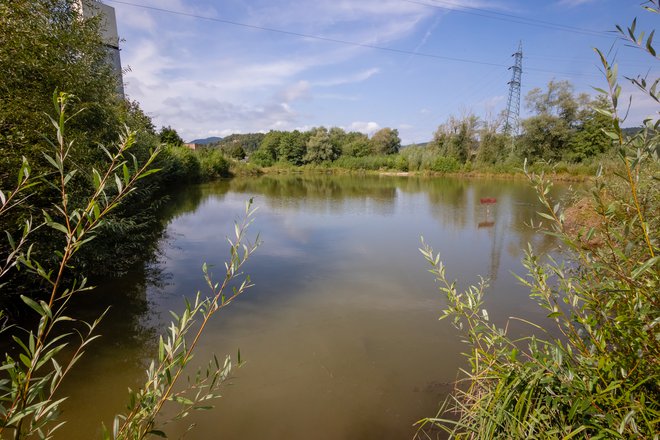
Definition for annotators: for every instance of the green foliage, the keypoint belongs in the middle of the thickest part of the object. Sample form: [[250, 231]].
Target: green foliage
[[359, 146], [183, 165], [213, 164], [494, 147], [371, 163], [545, 137], [292, 147], [28, 406], [268, 151], [564, 127], [46, 46], [590, 140], [33, 373], [248, 142], [262, 158], [443, 164], [169, 136], [235, 151], [385, 141], [457, 138], [320, 147], [596, 372]]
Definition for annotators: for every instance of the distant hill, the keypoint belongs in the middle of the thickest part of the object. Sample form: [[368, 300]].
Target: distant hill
[[206, 141], [249, 142], [631, 131], [419, 144]]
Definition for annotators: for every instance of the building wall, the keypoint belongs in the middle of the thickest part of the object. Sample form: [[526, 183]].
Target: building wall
[[109, 34]]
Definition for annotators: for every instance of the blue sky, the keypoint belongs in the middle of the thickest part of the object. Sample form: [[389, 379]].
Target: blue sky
[[203, 76]]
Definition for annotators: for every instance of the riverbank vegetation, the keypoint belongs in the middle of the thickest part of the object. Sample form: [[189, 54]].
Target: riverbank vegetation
[[592, 370], [63, 192], [564, 135]]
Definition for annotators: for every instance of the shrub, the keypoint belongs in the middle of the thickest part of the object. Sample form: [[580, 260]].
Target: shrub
[[444, 164], [370, 163], [212, 164]]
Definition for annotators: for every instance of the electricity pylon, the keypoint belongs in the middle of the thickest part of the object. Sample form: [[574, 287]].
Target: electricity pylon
[[512, 124]]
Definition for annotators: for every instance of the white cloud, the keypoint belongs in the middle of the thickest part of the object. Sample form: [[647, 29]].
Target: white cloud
[[222, 133], [573, 3], [299, 90], [347, 79], [202, 77], [489, 104], [364, 127]]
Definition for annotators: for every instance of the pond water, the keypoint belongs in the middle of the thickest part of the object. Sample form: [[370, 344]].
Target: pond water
[[340, 334]]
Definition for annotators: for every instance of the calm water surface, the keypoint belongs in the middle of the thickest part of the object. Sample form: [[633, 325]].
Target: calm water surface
[[340, 334]]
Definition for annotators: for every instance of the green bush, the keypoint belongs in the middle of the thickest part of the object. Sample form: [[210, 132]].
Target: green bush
[[262, 158], [369, 163], [445, 165], [182, 165], [213, 164]]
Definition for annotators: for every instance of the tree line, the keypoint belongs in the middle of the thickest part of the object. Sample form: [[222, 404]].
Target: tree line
[[563, 127]]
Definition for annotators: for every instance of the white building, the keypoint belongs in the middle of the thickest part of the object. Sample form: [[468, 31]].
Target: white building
[[92, 8]]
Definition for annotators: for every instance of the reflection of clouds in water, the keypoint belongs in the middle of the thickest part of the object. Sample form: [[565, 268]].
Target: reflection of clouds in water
[[292, 226], [343, 304]]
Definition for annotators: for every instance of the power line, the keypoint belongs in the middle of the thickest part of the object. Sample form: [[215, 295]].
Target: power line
[[314, 37], [495, 15], [336, 40]]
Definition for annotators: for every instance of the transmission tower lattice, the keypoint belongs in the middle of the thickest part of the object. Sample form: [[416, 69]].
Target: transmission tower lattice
[[512, 124]]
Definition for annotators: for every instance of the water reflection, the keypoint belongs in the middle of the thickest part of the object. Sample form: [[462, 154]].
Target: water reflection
[[340, 333]]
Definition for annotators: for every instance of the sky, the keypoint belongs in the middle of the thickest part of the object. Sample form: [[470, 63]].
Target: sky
[[213, 68]]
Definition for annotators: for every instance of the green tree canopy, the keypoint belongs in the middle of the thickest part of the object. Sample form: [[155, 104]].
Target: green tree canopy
[[386, 141], [548, 135], [292, 147], [169, 136], [457, 138], [47, 46], [320, 147]]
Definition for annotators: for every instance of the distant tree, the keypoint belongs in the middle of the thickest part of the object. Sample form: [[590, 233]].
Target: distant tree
[[320, 147], [548, 134], [169, 136], [292, 147], [235, 151], [457, 138], [357, 145], [338, 138], [494, 147], [386, 141], [250, 142], [590, 140], [545, 137], [556, 100], [268, 152]]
